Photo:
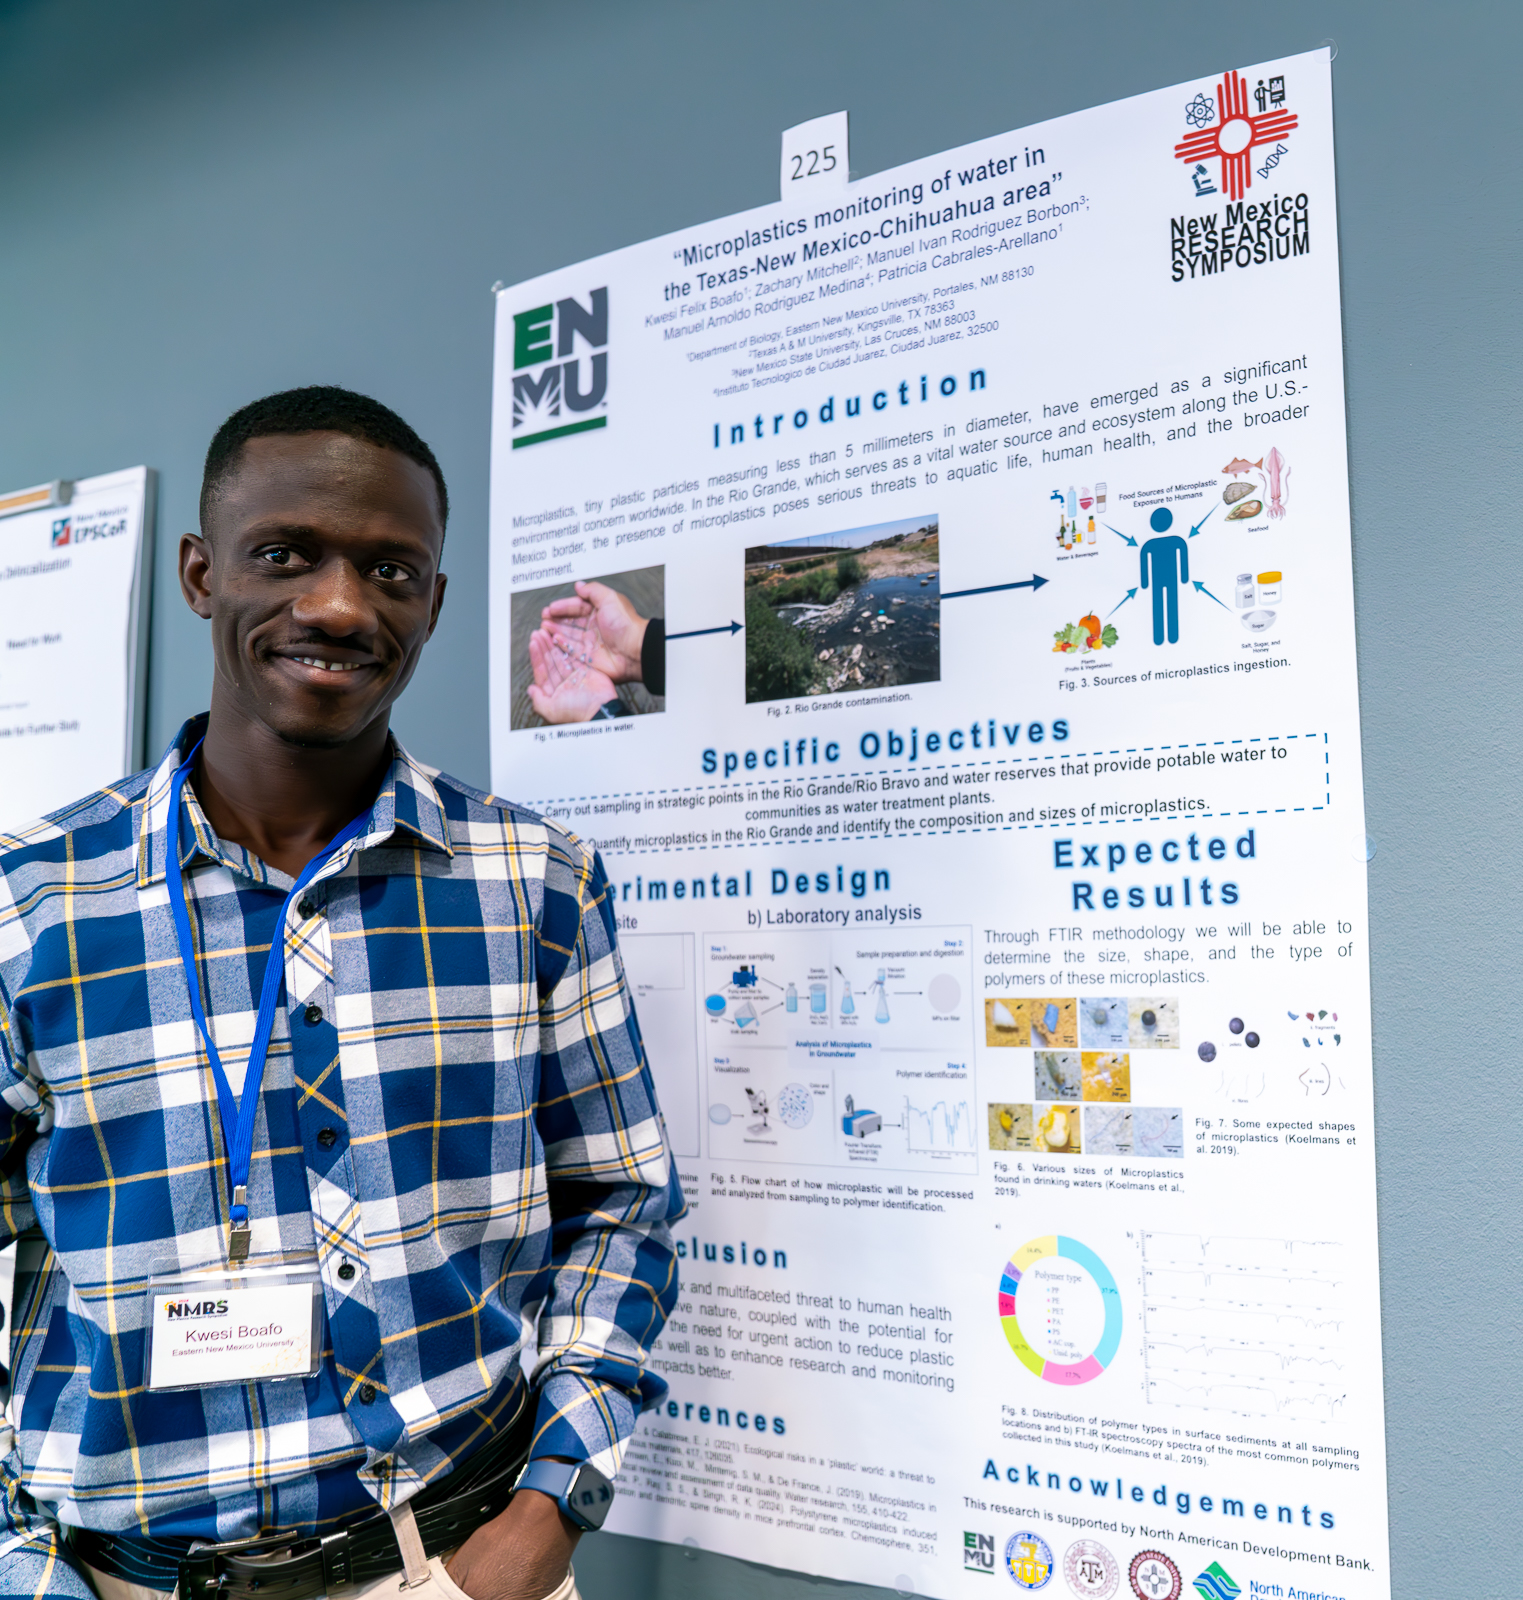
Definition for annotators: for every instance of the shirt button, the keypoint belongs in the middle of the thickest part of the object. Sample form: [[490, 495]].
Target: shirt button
[[314, 1014], [327, 1137], [367, 1394], [346, 1272], [307, 909]]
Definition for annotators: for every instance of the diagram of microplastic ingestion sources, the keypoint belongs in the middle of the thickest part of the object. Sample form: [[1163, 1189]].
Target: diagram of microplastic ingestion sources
[[841, 1048]]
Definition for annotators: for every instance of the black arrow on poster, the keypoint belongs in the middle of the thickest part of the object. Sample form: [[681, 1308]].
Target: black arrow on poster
[[1033, 583], [731, 628]]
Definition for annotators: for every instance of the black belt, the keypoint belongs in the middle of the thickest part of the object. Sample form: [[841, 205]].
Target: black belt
[[281, 1567]]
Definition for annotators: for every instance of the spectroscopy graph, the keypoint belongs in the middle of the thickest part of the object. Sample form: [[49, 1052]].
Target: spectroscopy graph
[[1252, 1326]]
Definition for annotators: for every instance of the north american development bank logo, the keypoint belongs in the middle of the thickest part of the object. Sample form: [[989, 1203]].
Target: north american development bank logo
[[560, 369], [1216, 1583], [1238, 136]]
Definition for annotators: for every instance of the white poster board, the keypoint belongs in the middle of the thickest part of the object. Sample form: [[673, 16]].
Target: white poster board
[[988, 845], [73, 643]]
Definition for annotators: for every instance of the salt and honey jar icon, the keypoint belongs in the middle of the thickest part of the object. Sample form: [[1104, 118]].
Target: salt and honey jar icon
[[1255, 594]]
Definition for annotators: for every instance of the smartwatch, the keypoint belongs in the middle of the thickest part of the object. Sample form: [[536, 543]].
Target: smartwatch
[[584, 1495]]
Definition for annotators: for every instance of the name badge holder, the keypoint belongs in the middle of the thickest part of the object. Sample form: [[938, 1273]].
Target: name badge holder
[[236, 1322]]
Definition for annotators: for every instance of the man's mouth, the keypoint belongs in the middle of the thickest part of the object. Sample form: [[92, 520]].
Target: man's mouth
[[322, 667]]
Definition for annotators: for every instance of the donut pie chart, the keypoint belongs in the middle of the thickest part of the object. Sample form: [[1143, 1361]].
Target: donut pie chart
[[1061, 1246]]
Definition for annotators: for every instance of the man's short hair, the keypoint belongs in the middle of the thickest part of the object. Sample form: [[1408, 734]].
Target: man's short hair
[[317, 408]]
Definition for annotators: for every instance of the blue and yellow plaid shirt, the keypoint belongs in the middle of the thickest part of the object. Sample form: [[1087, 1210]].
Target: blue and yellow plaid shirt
[[456, 1117]]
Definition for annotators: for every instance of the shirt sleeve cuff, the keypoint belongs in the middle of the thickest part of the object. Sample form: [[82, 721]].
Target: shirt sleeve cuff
[[653, 656], [582, 1420]]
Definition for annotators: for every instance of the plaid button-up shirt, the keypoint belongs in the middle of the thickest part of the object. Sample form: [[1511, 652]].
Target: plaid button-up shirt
[[456, 1112]]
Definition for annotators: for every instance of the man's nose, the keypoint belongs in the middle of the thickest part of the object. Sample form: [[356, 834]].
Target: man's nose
[[335, 601]]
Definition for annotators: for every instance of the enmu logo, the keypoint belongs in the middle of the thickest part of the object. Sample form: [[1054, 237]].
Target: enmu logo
[[978, 1552], [176, 1309], [547, 385]]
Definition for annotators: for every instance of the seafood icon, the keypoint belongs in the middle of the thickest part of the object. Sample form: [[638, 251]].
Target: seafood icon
[[1237, 466], [1276, 473]]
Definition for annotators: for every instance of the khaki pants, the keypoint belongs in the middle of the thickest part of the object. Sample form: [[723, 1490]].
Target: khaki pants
[[431, 1581]]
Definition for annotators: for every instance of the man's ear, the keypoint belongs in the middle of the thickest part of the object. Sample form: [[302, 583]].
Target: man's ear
[[196, 573]]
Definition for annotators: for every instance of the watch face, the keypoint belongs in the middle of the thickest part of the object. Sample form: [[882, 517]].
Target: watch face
[[589, 1497]]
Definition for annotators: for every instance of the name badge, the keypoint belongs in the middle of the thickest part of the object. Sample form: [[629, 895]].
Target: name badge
[[256, 1325]]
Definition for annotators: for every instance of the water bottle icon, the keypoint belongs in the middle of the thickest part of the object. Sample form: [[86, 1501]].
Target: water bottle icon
[[791, 998]]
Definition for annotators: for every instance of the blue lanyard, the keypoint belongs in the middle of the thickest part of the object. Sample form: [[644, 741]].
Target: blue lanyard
[[237, 1113]]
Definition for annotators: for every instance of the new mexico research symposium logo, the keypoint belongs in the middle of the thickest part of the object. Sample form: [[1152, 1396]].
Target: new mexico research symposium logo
[[1237, 135], [560, 369], [1028, 1560]]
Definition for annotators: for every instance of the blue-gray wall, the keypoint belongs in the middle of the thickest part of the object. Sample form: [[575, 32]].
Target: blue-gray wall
[[203, 201]]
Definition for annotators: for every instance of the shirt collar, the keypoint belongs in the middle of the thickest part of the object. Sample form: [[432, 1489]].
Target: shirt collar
[[407, 810]]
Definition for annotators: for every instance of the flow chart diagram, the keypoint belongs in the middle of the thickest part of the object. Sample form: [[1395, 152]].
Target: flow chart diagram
[[840, 1047]]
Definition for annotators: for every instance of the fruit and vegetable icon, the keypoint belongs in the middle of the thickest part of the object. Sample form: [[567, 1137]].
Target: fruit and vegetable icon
[[1084, 636]]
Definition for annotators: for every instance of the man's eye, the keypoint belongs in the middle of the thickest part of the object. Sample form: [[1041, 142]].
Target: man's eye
[[389, 571], [280, 556]]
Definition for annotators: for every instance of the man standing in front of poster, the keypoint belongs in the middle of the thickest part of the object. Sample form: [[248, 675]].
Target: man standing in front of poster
[[319, 1082]]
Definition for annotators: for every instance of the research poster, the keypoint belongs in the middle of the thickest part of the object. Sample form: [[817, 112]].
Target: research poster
[[934, 601], [73, 582]]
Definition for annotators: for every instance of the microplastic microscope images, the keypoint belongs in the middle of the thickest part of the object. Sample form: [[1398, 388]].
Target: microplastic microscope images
[[1058, 1074], [1154, 1024], [1103, 1024], [1009, 1126], [1107, 1075]]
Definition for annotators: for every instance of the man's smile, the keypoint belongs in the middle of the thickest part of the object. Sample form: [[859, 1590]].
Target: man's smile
[[325, 666]]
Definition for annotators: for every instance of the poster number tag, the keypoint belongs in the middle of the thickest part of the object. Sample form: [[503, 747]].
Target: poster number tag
[[816, 156]]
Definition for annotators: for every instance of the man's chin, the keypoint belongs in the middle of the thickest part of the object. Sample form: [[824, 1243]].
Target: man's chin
[[317, 739], [320, 733]]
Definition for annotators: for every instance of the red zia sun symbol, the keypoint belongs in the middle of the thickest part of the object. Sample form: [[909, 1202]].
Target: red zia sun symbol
[[1235, 136]]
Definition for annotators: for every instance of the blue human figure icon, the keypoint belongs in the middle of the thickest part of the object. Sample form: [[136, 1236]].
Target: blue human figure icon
[[1165, 565]]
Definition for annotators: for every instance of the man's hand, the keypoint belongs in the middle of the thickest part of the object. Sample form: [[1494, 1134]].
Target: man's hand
[[601, 628], [564, 691], [521, 1555]]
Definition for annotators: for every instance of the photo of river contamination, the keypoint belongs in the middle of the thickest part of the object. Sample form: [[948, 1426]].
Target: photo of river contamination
[[842, 611]]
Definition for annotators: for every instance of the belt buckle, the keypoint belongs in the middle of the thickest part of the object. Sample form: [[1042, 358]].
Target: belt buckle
[[338, 1567], [204, 1571], [198, 1572]]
